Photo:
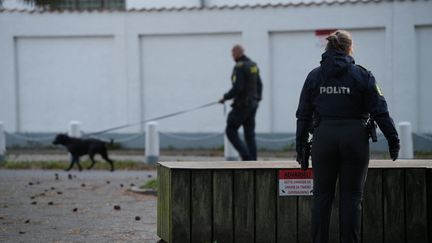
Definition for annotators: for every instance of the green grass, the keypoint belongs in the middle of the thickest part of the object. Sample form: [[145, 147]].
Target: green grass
[[423, 154], [151, 184], [58, 165]]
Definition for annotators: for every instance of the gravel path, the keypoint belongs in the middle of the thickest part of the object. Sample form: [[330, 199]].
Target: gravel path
[[37, 207]]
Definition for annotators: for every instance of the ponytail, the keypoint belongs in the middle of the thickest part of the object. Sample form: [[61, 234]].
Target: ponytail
[[339, 40]]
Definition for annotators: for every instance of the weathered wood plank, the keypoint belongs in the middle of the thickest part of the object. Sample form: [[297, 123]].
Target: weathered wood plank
[[287, 219], [160, 198], [394, 208], [180, 204], [334, 234], [244, 206], [223, 225], [201, 209], [373, 208], [265, 207], [163, 230], [304, 219], [429, 202], [234, 206], [416, 205], [290, 164]]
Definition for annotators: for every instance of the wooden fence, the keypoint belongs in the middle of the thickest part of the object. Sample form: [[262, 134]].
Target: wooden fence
[[208, 202]]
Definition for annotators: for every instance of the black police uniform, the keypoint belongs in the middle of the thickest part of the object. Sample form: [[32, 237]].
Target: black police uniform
[[246, 91], [339, 96]]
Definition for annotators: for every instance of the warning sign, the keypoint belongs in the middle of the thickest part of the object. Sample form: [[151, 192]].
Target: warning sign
[[295, 182]]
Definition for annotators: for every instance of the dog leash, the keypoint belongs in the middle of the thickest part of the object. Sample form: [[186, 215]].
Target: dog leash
[[157, 118]]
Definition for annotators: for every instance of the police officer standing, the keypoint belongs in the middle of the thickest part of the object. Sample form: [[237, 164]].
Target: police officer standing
[[246, 91], [338, 97]]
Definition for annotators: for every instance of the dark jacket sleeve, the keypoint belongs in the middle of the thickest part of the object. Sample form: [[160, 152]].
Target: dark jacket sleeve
[[377, 107], [304, 114], [259, 87], [238, 84]]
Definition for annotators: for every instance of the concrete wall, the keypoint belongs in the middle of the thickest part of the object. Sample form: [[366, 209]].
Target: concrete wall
[[108, 69], [424, 71]]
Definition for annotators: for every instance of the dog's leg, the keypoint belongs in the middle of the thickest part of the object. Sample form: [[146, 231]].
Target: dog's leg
[[104, 155], [91, 155], [72, 161], [78, 163], [111, 164]]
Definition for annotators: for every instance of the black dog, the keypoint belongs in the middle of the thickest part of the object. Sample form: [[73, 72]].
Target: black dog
[[78, 147]]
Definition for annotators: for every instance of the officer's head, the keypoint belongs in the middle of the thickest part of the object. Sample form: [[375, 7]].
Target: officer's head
[[341, 41], [237, 52]]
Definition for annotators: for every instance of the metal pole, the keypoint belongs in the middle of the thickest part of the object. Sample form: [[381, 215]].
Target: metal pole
[[151, 143], [406, 141], [2, 142], [230, 152], [74, 129]]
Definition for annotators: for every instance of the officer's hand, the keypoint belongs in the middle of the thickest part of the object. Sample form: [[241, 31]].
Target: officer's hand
[[304, 164], [394, 148], [299, 156], [221, 100]]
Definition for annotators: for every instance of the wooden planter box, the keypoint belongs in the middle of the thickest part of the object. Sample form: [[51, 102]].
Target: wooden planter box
[[208, 202]]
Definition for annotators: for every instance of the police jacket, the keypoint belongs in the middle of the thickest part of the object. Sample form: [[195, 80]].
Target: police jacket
[[246, 84], [339, 89]]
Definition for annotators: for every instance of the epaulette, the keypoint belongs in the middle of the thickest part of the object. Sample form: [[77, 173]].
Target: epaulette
[[364, 69], [360, 66], [239, 64]]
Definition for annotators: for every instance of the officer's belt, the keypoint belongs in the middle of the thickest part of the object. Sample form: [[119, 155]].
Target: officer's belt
[[342, 118]]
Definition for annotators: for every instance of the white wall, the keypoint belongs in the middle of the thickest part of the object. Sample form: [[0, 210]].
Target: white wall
[[156, 4], [161, 3], [15, 4], [295, 54], [137, 4], [290, 67], [424, 70], [195, 71], [62, 78], [127, 66]]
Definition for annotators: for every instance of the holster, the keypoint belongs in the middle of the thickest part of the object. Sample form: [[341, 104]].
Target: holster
[[307, 149], [371, 128]]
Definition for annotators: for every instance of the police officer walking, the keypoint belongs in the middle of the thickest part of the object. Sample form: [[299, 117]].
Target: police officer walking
[[246, 91], [337, 98]]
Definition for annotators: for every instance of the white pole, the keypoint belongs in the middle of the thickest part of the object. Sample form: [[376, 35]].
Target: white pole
[[2, 142], [406, 141], [230, 152], [74, 129], [151, 143]]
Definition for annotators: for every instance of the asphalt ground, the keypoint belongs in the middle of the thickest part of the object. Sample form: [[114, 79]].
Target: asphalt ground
[[76, 207]]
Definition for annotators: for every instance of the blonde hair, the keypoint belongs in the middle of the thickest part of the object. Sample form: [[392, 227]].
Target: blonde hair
[[340, 40]]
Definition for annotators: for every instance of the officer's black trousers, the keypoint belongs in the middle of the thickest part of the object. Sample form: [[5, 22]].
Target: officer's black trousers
[[340, 149], [243, 117]]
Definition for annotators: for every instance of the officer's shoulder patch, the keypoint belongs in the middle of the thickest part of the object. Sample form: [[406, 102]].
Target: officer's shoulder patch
[[254, 69], [378, 89]]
